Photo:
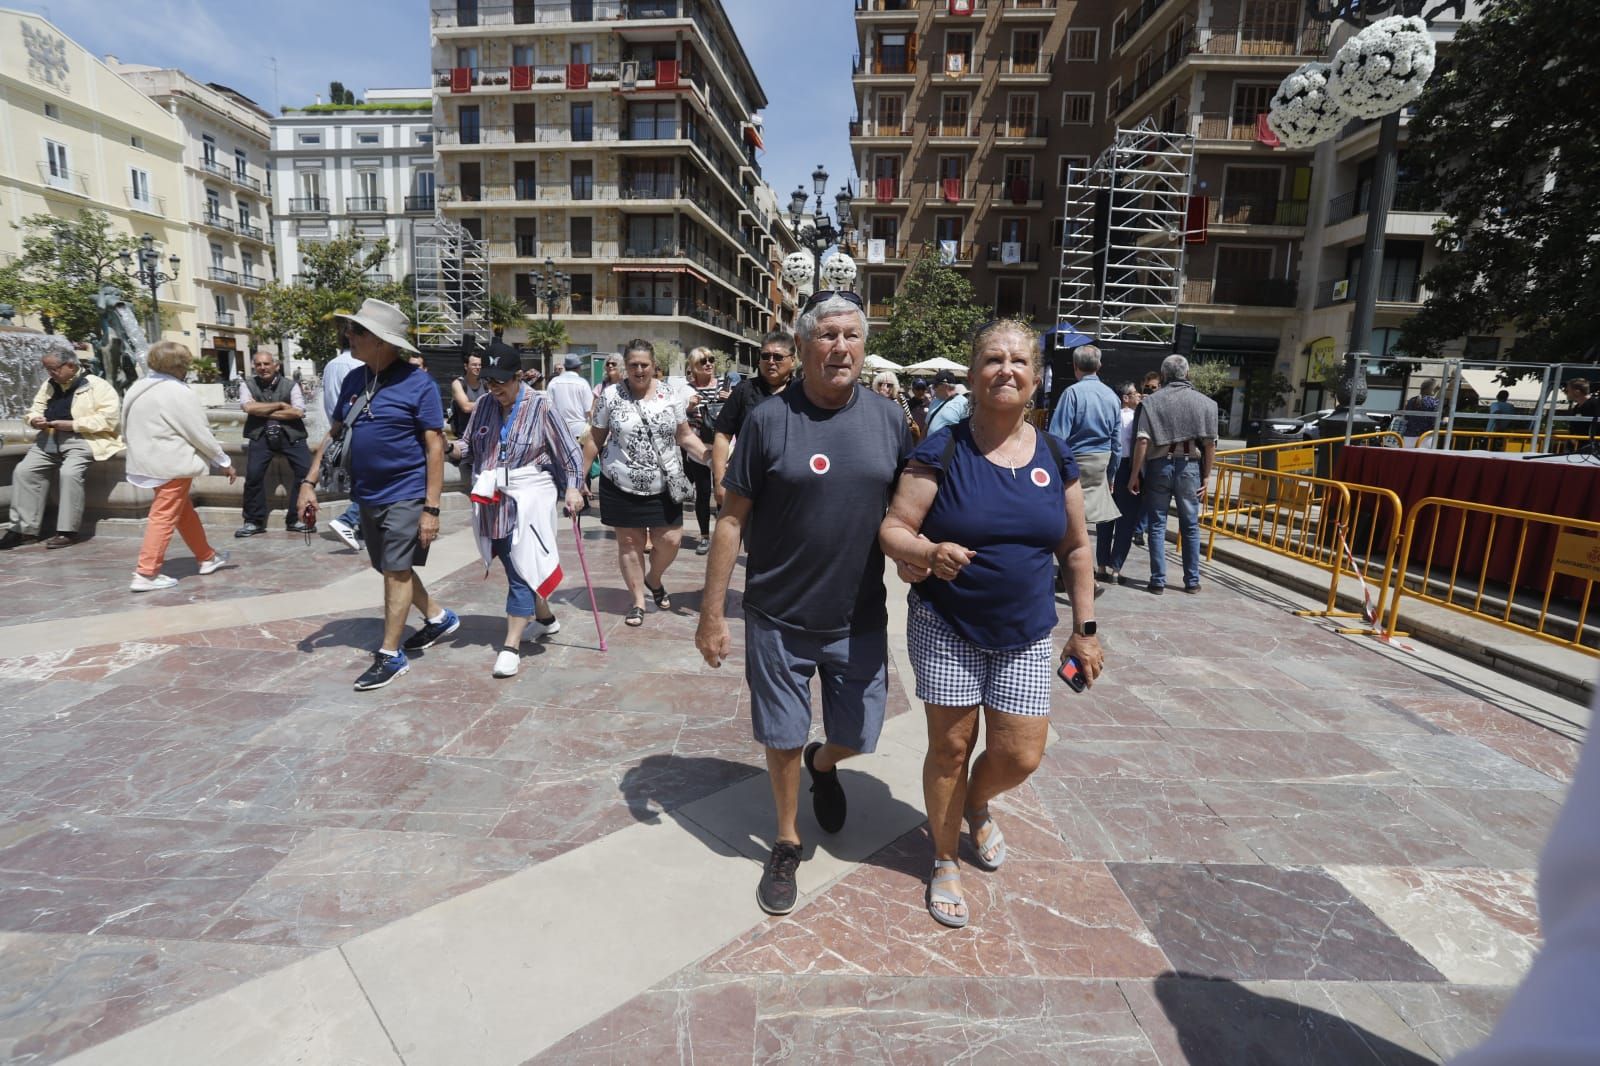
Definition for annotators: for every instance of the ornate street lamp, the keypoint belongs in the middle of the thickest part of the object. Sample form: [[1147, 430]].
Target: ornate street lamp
[[1374, 75], [819, 234], [147, 272], [550, 286]]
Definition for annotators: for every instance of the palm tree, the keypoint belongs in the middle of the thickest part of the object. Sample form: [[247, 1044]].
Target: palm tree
[[504, 312]]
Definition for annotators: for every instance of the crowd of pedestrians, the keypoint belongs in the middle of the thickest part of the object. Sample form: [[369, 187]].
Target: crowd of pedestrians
[[816, 477]]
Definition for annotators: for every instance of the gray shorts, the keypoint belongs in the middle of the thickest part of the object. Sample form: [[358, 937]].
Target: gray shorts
[[390, 533], [779, 664]]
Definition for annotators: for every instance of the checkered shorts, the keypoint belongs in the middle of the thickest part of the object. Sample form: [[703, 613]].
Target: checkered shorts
[[953, 672]]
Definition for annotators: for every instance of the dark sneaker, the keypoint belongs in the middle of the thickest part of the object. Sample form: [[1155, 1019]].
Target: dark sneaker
[[827, 795], [1155, 590], [1191, 589], [432, 633], [14, 539], [249, 529], [384, 669], [301, 527], [777, 892]]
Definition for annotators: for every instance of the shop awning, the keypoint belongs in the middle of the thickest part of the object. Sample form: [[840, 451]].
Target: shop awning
[[671, 269]]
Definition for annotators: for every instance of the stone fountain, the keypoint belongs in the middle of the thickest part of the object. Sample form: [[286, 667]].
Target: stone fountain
[[21, 374]]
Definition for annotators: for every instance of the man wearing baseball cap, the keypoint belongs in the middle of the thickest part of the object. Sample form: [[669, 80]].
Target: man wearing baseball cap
[[949, 405], [391, 408]]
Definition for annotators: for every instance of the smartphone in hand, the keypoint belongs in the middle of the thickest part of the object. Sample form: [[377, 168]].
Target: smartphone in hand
[[1072, 673]]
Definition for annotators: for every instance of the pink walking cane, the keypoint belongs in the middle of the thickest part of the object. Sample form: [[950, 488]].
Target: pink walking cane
[[577, 535]]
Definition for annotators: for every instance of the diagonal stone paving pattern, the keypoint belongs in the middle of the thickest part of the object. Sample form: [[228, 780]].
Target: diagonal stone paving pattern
[[1252, 834]]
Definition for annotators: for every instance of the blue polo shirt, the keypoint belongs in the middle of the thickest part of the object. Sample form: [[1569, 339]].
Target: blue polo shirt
[[388, 462], [1089, 417]]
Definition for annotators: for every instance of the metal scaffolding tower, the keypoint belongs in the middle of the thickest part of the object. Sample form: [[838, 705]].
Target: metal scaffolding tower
[[1123, 237], [451, 282]]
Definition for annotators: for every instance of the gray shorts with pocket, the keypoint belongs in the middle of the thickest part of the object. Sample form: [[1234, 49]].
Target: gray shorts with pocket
[[779, 664], [390, 531]]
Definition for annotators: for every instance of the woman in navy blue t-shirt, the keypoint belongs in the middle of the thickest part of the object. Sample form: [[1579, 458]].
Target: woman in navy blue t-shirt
[[986, 507]]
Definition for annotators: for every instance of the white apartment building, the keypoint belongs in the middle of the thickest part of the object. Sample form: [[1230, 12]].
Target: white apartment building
[[365, 169], [75, 137], [226, 198]]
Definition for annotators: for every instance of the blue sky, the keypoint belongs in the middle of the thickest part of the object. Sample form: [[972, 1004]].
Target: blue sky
[[800, 50]]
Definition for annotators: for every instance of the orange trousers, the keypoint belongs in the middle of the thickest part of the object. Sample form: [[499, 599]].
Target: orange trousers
[[172, 510]]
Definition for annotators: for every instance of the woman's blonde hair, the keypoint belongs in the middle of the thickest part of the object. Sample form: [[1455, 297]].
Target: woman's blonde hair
[[886, 376], [1015, 326], [169, 357]]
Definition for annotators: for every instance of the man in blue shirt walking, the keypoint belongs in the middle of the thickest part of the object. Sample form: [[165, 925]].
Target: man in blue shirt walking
[[1088, 418]]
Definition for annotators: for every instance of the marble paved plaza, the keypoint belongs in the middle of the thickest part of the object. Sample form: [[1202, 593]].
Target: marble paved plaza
[[1254, 841]]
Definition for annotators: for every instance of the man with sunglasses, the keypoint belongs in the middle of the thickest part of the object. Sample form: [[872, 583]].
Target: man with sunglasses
[[807, 489], [773, 373]]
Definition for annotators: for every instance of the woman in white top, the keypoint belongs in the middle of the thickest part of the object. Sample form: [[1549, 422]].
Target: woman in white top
[[170, 443], [639, 425], [1111, 539]]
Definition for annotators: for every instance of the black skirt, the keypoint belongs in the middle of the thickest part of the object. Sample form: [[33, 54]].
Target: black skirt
[[620, 509]]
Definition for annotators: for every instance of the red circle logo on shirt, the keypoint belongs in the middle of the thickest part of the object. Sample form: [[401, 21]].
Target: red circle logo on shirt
[[1041, 477], [820, 464]]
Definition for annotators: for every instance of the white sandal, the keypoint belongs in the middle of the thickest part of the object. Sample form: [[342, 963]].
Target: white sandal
[[938, 895]]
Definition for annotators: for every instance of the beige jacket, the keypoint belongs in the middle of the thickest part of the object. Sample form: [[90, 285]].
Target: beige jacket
[[168, 435], [94, 414]]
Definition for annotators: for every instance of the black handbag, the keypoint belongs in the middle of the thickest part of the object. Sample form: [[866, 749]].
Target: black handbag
[[336, 455], [276, 436]]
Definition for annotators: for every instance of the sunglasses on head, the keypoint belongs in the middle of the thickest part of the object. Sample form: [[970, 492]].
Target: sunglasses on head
[[827, 294]]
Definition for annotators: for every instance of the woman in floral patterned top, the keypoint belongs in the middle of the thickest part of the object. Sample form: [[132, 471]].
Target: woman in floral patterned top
[[639, 425]]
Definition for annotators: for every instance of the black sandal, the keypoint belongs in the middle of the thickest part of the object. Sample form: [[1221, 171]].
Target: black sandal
[[634, 617], [663, 601]]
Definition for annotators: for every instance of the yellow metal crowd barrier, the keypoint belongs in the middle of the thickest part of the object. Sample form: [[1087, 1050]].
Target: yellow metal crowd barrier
[[1550, 557], [1307, 454], [1341, 528], [1463, 440]]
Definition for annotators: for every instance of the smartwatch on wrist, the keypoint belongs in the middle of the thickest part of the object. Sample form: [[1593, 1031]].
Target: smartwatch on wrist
[[1086, 629], [430, 510]]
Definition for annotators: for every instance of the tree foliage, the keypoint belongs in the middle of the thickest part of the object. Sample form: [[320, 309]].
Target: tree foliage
[[505, 312], [64, 263], [1210, 378], [935, 313], [334, 277], [1507, 141], [546, 333], [338, 94]]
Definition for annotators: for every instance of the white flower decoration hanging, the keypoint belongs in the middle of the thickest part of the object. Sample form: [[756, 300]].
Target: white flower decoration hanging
[[1302, 112], [839, 272], [1383, 68], [797, 268]]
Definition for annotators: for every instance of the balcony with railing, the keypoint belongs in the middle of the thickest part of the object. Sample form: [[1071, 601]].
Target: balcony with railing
[[252, 281], [1137, 19], [1287, 41], [150, 205], [1256, 210], [308, 205], [937, 191], [1021, 8], [896, 64], [1011, 253], [1219, 127], [63, 178], [885, 190], [216, 167], [1409, 196], [421, 202], [905, 127], [1022, 68], [541, 133], [222, 275], [216, 220], [958, 65], [1018, 191], [1242, 292], [251, 232], [1013, 128], [647, 305], [944, 10], [1397, 288], [887, 7], [950, 127], [366, 205], [222, 318], [242, 178]]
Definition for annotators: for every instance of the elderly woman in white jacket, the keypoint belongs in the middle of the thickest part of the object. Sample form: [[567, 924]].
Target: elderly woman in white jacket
[[170, 444], [521, 454]]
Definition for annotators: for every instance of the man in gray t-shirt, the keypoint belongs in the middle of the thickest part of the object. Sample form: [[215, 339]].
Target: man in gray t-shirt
[[810, 480]]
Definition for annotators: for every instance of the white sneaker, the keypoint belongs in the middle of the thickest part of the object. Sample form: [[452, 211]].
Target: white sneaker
[[151, 584], [217, 561], [347, 533], [506, 663], [537, 629]]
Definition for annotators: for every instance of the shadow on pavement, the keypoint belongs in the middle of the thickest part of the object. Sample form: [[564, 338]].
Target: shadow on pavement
[[1219, 1022]]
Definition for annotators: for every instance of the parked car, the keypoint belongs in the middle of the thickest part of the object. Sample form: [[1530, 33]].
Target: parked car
[[1285, 428]]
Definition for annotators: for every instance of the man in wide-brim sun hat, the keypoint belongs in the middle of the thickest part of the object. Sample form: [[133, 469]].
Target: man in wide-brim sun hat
[[392, 410]]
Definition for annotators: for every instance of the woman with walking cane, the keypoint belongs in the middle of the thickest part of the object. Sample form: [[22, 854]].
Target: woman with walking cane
[[519, 449]]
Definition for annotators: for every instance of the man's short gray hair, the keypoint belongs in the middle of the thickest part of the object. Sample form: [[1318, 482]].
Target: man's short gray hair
[[63, 356], [1086, 357], [1174, 368], [806, 328]]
